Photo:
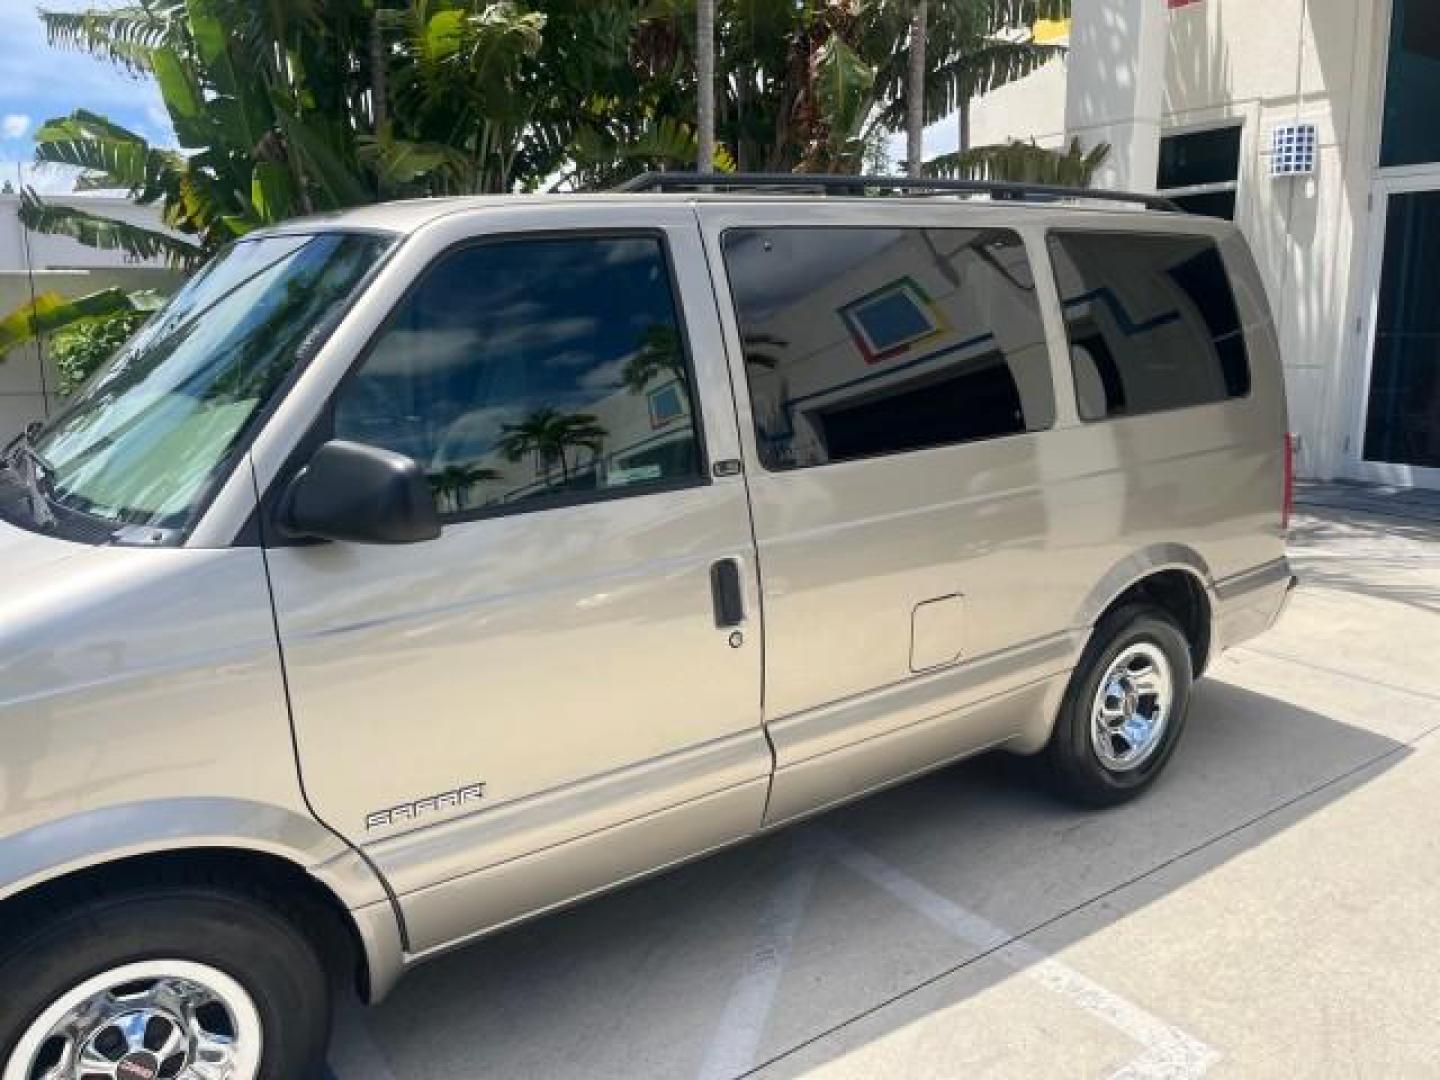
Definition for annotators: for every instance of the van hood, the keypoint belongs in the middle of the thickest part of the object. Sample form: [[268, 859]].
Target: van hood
[[23, 553], [48, 588], [75, 614]]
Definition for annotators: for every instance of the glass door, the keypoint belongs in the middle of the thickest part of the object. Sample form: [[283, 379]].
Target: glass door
[[1400, 437]]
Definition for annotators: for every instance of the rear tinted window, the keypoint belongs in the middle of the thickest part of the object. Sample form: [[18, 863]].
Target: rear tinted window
[[862, 341], [1152, 322]]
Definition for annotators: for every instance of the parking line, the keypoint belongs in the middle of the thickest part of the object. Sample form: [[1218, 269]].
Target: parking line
[[1167, 1051], [742, 1025]]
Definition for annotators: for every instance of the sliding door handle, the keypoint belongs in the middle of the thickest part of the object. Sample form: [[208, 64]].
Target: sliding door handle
[[725, 593]]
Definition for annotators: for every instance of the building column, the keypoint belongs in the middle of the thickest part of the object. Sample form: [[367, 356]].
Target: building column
[[1116, 86]]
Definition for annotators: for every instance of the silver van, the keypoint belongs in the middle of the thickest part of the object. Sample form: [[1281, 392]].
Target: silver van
[[430, 566]]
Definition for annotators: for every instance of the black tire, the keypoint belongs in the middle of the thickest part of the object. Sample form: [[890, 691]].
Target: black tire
[[240, 935], [1076, 768]]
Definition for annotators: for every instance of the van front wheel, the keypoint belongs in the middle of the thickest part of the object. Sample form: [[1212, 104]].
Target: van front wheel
[[1124, 709], [178, 982]]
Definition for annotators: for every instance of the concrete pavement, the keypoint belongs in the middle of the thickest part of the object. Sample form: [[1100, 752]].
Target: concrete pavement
[[1269, 909]]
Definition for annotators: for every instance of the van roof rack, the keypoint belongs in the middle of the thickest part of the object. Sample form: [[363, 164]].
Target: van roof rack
[[828, 184]]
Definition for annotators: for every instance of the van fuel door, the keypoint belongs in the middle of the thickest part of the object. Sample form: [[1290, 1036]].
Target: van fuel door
[[937, 632]]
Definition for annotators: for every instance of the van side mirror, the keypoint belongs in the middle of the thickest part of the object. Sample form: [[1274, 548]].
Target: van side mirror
[[361, 494]]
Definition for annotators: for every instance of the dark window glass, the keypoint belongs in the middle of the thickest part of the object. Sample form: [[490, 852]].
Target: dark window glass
[[863, 341], [1152, 322], [1403, 421], [532, 370], [1200, 157], [1216, 204], [1410, 134]]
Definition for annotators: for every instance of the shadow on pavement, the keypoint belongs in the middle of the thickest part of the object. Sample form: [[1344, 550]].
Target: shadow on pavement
[[641, 983]]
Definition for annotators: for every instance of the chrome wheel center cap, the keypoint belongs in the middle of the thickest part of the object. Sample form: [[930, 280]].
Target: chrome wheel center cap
[[1132, 708], [141, 1065]]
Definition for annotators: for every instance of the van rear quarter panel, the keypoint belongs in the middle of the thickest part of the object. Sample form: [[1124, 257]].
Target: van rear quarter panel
[[1035, 530]]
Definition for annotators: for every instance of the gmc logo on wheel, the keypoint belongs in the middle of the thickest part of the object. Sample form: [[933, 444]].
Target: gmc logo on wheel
[[137, 1069]]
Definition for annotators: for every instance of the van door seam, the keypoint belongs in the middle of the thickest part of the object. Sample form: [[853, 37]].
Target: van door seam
[[749, 505], [294, 738]]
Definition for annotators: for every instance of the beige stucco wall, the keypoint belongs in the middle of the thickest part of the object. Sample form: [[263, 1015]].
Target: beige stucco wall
[[1034, 108]]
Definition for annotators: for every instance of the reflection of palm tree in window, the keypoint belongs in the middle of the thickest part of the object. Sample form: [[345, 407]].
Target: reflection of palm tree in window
[[452, 483], [658, 354], [550, 435]]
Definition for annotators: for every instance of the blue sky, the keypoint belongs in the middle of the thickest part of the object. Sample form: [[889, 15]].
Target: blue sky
[[38, 82]]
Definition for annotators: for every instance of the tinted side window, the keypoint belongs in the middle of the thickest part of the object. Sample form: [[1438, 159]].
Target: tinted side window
[[1152, 322], [527, 370], [866, 341]]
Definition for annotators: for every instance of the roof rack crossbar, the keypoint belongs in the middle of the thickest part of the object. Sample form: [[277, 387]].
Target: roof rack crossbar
[[829, 184]]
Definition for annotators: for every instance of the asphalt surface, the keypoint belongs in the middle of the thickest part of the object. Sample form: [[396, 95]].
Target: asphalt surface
[[1268, 909]]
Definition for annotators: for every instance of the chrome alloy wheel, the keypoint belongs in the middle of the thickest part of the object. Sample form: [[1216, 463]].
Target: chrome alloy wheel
[[154, 1020], [1132, 707]]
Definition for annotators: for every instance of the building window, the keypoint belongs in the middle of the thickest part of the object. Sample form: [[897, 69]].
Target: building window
[[1410, 134], [1200, 170], [861, 342]]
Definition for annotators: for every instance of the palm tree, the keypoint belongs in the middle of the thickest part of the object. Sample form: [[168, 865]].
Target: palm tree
[[260, 101], [705, 84], [660, 354], [817, 86], [453, 482], [549, 435], [915, 92]]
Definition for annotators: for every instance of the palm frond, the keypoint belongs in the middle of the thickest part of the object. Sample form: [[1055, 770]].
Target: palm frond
[[112, 156], [122, 35], [403, 167], [1022, 163], [1016, 14], [96, 231], [994, 64]]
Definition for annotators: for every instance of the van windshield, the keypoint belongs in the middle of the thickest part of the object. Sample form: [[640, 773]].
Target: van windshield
[[144, 440]]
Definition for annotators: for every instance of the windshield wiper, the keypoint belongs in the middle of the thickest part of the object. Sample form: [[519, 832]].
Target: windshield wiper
[[22, 459]]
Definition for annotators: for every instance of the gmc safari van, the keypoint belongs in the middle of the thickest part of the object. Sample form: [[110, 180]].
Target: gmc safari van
[[429, 566]]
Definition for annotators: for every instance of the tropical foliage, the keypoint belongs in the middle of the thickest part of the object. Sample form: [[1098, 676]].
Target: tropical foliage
[[550, 435], [282, 109], [81, 348], [819, 85], [452, 484], [660, 355], [1019, 162], [50, 311], [288, 108]]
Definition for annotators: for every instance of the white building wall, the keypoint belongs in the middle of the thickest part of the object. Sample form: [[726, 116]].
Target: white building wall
[[1033, 108], [70, 268], [1262, 64]]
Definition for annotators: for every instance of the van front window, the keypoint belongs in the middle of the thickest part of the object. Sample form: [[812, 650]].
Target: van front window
[[145, 439]]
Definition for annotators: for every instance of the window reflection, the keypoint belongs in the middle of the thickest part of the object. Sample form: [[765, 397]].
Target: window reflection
[[866, 341], [1152, 322], [532, 370]]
